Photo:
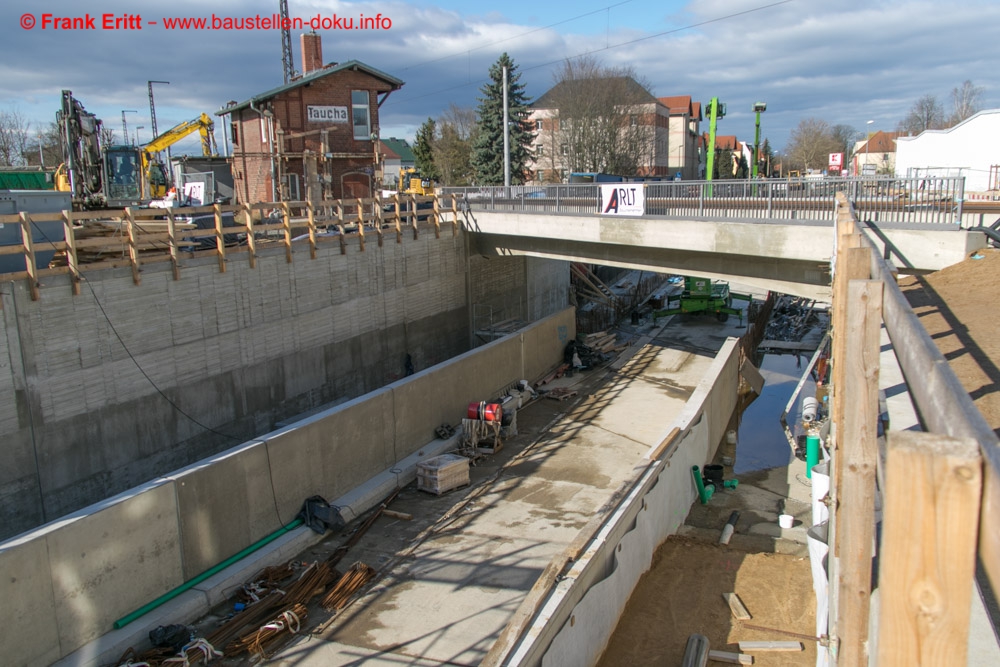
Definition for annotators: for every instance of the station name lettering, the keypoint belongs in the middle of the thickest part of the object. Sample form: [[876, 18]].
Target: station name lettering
[[317, 114]]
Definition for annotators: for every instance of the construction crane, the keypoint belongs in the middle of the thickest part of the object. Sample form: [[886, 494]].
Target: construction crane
[[156, 178]]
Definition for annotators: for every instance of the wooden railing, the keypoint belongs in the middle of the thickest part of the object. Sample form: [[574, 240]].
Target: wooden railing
[[90, 240], [936, 491]]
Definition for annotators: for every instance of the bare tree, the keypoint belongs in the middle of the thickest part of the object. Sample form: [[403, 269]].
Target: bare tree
[[603, 118], [810, 144], [14, 138], [964, 101], [108, 137], [925, 114], [453, 145]]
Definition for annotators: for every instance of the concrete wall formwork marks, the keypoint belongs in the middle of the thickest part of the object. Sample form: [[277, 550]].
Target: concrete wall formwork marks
[[68, 581], [233, 351]]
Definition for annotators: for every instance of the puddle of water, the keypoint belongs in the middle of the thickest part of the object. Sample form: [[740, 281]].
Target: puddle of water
[[761, 442]]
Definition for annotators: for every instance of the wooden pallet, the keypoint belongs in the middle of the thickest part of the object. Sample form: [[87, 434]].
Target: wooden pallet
[[560, 394]]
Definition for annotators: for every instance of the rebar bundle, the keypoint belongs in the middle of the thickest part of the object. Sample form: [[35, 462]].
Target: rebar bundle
[[272, 634], [349, 584]]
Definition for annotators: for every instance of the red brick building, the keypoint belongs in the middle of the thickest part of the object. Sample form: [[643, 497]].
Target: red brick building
[[315, 136]]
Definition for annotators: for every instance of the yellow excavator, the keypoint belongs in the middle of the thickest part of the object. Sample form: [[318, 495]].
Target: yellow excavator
[[156, 177], [411, 183]]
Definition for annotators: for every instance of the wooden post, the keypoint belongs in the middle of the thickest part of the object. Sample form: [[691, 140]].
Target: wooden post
[[454, 214], [29, 255], [251, 239], [857, 451], [361, 223], [340, 226], [286, 222], [72, 261], [413, 213], [312, 229], [437, 217], [220, 245], [133, 250], [399, 229], [379, 219], [172, 242], [929, 532]]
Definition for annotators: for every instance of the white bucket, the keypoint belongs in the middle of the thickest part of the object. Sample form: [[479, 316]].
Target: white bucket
[[786, 521], [809, 407], [731, 437]]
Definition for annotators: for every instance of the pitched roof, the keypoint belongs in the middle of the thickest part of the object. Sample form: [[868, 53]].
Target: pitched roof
[[881, 142], [400, 149], [723, 142], [696, 110], [306, 79], [677, 104], [549, 100]]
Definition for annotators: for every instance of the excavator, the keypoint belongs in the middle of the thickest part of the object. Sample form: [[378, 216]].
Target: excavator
[[156, 177], [119, 175]]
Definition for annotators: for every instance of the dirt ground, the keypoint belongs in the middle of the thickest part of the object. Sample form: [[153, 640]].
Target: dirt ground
[[958, 308], [682, 594]]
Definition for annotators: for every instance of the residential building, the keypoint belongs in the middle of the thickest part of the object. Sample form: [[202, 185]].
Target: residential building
[[968, 149], [876, 154], [662, 133], [314, 136]]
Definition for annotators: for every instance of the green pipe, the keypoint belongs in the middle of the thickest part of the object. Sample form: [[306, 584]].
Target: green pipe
[[731, 483], [215, 569], [812, 453], [704, 492]]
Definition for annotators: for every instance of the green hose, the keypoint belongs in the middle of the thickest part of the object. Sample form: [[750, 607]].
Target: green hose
[[704, 491], [191, 583]]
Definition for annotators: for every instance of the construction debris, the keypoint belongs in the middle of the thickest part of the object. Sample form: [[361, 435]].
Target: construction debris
[[560, 394]]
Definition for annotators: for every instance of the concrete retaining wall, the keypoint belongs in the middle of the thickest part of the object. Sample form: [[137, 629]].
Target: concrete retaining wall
[[204, 362], [657, 498], [71, 579]]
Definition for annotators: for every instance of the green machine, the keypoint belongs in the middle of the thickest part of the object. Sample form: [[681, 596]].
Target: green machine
[[701, 295]]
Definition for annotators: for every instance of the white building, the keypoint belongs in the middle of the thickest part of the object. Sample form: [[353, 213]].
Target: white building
[[970, 149]]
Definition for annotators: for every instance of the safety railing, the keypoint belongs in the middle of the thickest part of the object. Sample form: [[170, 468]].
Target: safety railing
[[938, 489], [70, 242], [878, 199]]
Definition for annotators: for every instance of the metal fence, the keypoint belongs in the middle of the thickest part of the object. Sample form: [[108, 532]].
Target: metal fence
[[876, 199]]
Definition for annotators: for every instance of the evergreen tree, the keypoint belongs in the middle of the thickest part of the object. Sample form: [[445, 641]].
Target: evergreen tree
[[423, 150], [487, 150]]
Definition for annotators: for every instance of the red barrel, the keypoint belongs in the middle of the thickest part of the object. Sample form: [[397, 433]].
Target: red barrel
[[487, 412]]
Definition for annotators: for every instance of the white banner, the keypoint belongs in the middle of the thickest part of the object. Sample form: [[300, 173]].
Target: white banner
[[316, 114], [623, 199]]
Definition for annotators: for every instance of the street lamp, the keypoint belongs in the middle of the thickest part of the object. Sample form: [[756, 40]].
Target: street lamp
[[758, 108], [125, 125], [868, 138], [139, 127]]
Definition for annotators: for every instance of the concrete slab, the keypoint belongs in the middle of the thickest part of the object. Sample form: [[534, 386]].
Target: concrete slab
[[454, 587], [28, 615]]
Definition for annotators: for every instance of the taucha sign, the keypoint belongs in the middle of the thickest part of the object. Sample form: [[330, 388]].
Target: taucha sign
[[623, 199], [318, 114]]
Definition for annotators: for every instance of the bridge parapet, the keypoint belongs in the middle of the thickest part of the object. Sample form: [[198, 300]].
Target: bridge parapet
[[884, 200]]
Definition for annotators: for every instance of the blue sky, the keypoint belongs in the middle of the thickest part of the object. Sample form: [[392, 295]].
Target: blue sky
[[845, 63]]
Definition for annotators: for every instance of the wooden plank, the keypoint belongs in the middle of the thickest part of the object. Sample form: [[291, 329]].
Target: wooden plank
[[251, 235], [286, 226], [393, 514], [172, 242], [929, 533], [857, 453], [311, 221], [737, 607], [730, 658], [133, 250], [220, 245], [29, 256], [775, 646], [72, 262]]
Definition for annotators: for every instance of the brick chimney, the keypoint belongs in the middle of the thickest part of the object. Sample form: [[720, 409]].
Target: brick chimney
[[312, 52]]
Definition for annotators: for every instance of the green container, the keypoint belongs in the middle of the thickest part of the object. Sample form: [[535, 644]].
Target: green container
[[812, 453]]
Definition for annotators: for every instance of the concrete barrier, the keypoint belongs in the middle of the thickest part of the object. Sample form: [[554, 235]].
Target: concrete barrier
[[71, 579]]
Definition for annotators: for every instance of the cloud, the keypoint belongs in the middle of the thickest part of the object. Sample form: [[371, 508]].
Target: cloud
[[844, 62]]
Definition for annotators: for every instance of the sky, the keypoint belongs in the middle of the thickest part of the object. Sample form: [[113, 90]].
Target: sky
[[846, 62]]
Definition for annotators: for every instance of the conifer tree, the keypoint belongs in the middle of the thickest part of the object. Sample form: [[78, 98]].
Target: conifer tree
[[423, 151], [487, 151]]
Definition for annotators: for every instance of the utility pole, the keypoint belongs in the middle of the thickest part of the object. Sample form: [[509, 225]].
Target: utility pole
[[125, 125], [506, 133], [287, 65], [152, 117]]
